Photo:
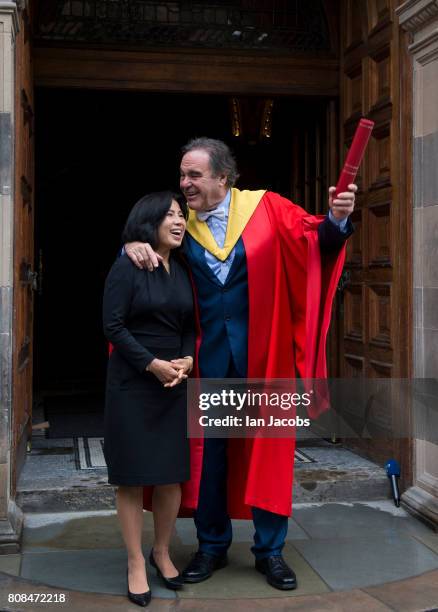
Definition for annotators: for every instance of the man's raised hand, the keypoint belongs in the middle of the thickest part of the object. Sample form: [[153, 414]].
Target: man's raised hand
[[343, 205]]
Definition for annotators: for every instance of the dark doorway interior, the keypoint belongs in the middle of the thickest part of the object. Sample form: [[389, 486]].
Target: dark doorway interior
[[96, 154]]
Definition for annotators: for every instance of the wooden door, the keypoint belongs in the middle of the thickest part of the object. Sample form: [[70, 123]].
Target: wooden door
[[24, 277], [375, 330]]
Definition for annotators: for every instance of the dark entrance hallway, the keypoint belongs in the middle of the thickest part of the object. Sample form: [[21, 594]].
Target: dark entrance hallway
[[96, 154]]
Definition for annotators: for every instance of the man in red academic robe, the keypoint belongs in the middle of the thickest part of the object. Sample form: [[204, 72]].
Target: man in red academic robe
[[265, 273]]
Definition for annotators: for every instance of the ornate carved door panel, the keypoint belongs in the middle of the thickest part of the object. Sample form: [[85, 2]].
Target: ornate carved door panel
[[374, 334]]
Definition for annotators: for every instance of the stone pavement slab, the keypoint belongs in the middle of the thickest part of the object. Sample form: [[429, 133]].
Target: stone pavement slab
[[96, 571], [349, 601], [335, 546], [243, 531], [78, 530], [429, 539], [360, 562], [240, 579], [75, 600], [395, 596], [352, 601], [359, 519], [411, 595], [10, 564]]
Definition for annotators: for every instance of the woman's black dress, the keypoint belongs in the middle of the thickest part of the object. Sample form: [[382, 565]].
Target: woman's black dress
[[146, 315]]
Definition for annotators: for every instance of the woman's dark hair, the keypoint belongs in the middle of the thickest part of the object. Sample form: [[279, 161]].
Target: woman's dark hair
[[147, 215]]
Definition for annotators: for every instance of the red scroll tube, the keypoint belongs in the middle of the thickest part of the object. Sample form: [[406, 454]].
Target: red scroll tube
[[355, 155]]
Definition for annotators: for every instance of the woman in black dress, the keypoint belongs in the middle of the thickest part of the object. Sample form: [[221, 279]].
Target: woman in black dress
[[148, 318]]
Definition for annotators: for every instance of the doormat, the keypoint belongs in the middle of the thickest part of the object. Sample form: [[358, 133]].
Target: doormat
[[89, 453]]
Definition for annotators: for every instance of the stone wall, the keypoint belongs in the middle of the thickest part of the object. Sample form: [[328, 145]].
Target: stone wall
[[420, 17]]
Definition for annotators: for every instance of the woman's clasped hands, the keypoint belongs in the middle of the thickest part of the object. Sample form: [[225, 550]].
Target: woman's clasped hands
[[171, 373]]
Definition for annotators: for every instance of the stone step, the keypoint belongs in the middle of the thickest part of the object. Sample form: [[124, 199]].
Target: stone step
[[337, 474], [310, 486], [51, 482], [331, 485], [67, 499]]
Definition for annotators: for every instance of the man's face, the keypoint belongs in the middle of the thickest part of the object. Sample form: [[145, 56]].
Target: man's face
[[202, 190]]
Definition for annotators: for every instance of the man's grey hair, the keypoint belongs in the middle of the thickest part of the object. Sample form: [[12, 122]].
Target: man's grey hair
[[221, 159]]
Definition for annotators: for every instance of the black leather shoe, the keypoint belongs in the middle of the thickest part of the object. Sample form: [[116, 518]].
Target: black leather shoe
[[202, 566], [277, 572], [141, 599], [175, 583]]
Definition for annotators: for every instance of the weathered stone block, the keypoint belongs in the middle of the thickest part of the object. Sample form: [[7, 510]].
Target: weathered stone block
[[430, 306], [430, 245], [418, 172], [429, 174]]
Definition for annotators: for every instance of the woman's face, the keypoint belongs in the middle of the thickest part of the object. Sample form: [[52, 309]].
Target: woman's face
[[172, 228]]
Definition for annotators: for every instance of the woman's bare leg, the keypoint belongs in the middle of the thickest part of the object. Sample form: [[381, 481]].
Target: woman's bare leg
[[130, 513], [166, 501]]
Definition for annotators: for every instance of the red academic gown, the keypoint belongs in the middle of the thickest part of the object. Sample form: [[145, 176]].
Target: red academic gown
[[291, 292]]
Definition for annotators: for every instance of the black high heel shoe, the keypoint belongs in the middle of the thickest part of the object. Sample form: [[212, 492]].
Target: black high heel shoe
[[141, 599], [175, 583]]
